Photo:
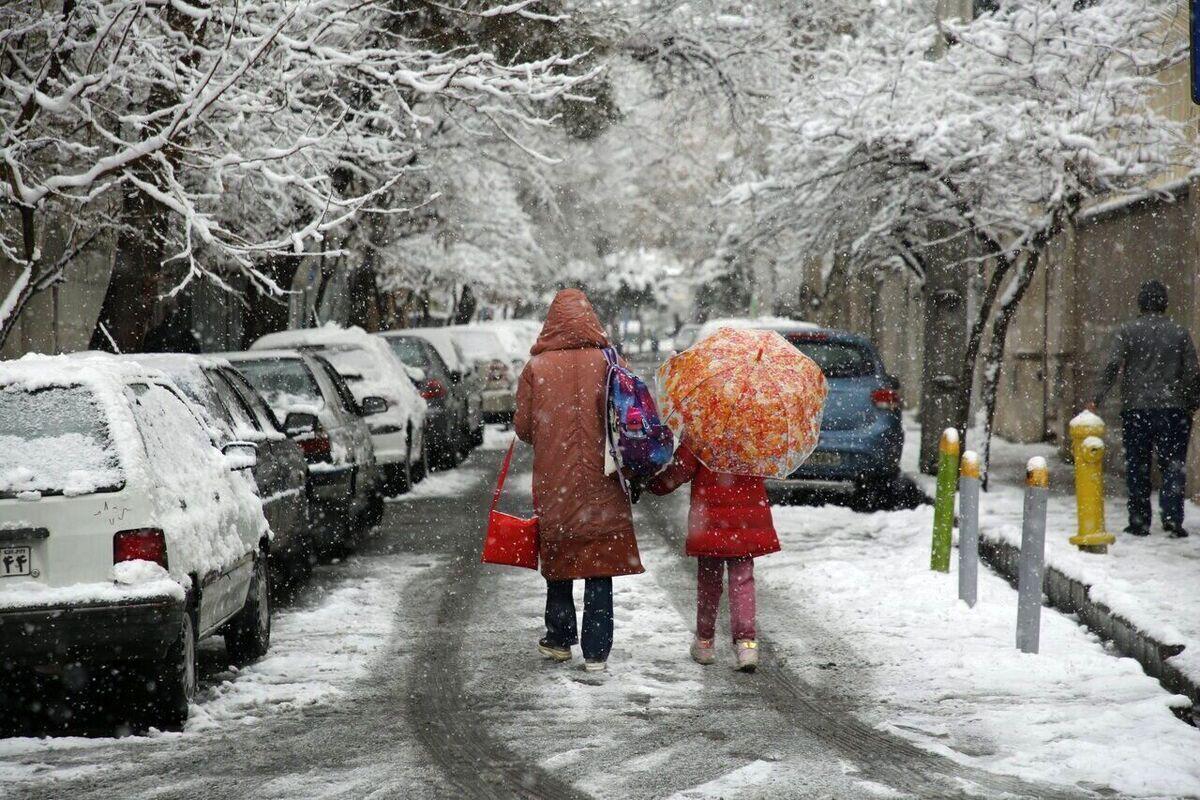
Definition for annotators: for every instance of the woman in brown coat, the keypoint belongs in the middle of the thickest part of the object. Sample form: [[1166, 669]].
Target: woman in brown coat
[[584, 517]]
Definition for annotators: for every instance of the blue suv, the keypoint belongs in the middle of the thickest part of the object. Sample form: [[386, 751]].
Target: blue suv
[[861, 434]]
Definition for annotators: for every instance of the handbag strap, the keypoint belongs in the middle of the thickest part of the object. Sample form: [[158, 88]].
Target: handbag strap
[[503, 474]]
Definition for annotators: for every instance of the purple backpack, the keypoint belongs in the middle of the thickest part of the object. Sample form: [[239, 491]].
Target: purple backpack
[[639, 441]]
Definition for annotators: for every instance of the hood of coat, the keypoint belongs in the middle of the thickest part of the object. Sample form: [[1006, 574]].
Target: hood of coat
[[571, 324]]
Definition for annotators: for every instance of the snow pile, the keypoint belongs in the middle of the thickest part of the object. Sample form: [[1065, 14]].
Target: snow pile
[[950, 679], [454, 483], [317, 653], [496, 437]]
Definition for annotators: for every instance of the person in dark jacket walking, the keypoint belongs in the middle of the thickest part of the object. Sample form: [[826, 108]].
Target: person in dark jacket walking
[[1160, 390]]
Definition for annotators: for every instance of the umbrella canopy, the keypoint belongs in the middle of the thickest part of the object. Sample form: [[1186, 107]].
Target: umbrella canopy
[[750, 402]]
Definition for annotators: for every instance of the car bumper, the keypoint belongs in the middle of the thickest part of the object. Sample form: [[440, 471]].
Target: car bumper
[[498, 405], [390, 448], [852, 456], [101, 632]]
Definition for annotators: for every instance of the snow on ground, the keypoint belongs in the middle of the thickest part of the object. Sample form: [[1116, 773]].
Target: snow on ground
[[318, 651], [497, 437], [548, 706], [1152, 582], [950, 678], [451, 483]]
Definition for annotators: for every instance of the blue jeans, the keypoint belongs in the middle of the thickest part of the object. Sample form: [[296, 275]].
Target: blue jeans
[[1164, 431], [597, 616]]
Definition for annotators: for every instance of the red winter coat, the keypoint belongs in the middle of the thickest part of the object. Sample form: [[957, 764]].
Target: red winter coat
[[730, 516], [584, 519]]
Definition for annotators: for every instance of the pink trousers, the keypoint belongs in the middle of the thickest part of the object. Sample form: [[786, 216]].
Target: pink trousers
[[741, 596]]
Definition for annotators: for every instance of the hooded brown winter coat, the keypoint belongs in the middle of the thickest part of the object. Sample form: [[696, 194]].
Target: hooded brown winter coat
[[584, 517]]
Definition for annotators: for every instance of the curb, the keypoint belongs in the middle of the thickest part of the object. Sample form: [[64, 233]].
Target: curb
[[1072, 596]]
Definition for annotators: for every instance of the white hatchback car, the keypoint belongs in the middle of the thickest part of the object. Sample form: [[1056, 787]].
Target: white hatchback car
[[383, 388], [125, 535]]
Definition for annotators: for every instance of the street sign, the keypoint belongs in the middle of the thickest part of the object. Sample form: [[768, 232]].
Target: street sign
[[1194, 31]]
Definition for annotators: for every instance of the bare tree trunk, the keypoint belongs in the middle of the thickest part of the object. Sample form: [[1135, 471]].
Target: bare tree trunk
[[943, 379], [994, 361]]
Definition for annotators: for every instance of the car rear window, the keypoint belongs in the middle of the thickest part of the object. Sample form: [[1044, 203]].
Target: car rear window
[[409, 350], [836, 359], [478, 345], [352, 363], [56, 441], [282, 382]]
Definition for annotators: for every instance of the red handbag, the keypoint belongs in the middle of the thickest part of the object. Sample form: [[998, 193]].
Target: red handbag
[[510, 540]]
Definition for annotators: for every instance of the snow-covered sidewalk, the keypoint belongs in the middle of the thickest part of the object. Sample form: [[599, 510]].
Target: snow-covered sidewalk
[[1153, 583], [950, 678]]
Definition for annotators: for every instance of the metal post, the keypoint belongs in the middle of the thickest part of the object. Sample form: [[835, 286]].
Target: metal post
[[943, 507], [968, 528], [1033, 556], [1087, 445]]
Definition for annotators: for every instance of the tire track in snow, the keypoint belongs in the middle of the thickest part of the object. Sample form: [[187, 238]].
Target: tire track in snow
[[826, 713]]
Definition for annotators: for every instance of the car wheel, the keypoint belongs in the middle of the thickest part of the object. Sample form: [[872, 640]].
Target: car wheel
[[400, 476], [420, 470], [172, 682], [249, 634]]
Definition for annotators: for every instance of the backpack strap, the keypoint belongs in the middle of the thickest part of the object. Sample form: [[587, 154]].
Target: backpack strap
[[610, 438]]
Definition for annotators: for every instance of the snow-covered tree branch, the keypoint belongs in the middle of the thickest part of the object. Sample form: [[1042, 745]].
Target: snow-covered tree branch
[[989, 149], [247, 130]]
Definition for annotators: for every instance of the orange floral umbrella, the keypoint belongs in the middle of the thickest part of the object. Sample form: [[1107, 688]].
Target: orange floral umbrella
[[750, 402]]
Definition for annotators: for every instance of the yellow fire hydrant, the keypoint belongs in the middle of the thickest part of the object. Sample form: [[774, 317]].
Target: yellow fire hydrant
[[1087, 445]]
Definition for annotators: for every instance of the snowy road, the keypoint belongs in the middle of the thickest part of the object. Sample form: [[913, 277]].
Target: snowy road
[[431, 688]]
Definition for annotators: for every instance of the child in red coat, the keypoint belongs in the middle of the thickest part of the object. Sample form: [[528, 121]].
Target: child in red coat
[[729, 524]]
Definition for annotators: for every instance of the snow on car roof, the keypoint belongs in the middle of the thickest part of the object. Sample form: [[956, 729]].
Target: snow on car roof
[[389, 378], [755, 323]]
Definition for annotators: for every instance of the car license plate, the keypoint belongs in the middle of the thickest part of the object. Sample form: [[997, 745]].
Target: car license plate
[[824, 459], [15, 562]]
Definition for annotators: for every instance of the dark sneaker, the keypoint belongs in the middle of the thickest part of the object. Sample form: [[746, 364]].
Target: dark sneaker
[[1175, 530], [1137, 530], [554, 652]]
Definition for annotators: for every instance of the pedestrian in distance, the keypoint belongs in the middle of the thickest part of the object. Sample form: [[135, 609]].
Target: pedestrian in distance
[[729, 525], [585, 522], [1160, 391]]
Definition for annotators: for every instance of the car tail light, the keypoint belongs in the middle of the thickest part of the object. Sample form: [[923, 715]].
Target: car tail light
[[140, 544], [886, 399], [315, 446], [433, 390]]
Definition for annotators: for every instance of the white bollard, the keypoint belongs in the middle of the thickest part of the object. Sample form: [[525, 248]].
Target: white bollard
[[968, 528], [1033, 556]]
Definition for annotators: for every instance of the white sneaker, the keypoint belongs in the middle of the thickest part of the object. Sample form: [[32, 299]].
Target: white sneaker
[[703, 651], [595, 666], [747, 655]]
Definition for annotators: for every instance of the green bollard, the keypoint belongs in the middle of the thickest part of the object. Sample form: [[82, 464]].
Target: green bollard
[[943, 505]]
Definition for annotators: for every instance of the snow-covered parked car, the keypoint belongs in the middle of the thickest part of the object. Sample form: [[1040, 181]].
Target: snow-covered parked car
[[126, 535], [462, 371], [234, 412], [319, 412], [493, 353], [383, 389], [448, 421]]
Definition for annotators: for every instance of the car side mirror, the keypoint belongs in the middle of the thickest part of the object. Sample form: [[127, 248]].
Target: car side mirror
[[371, 406], [456, 376], [240, 455], [299, 423]]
